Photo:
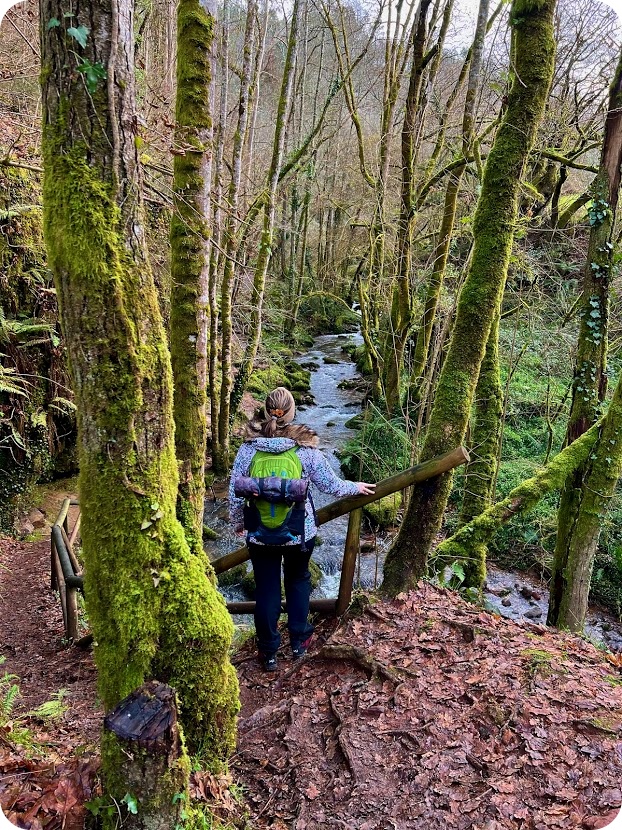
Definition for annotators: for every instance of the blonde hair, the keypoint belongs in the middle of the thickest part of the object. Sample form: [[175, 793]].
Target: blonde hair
[[280, 410]]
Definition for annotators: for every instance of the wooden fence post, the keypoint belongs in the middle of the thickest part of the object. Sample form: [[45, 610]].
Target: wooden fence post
[[351, 551]]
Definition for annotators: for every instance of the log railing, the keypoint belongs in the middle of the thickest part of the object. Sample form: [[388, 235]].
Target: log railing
[[352, 505], [67, 575]]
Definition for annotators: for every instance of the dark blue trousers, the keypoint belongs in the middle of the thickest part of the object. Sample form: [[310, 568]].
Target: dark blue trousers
[[267, 561]]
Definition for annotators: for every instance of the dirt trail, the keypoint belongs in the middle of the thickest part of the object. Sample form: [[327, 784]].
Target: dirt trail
[[31, 640]]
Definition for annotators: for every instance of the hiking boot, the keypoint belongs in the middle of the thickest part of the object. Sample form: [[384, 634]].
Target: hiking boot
[[269, 662], [300, 649]]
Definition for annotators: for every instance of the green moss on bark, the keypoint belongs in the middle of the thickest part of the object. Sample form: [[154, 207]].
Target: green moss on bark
[[481, 529], [153, 611], [189, 235], [480, 472], [480, 298]]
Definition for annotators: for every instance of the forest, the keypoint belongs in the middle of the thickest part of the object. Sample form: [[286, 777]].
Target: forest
[[406, 214]]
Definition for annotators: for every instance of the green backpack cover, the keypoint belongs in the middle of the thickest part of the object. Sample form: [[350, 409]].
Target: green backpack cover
[[281, 465]]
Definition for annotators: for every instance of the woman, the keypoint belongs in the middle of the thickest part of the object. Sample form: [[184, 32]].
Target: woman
[[276, 434]]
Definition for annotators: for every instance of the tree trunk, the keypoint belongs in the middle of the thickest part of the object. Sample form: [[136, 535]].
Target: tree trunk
[[153, 611], [481, 529], [578, 524], [217, 230], [190, 259], [220, 460], [483, 289], [269, 213], [153, 767], [441, 252], [481, 470], [400, 315]]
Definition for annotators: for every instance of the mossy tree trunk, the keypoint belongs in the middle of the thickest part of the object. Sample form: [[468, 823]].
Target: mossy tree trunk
[[480, 530], [481, 294], [269, 215], [153, 611], [441, 251], [220, 460], [400, 314], [217, 230], [587, 491], [190, 259], [484, 452]]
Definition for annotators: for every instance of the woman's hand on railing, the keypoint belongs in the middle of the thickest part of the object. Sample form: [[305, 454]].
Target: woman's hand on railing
[[366, 489]]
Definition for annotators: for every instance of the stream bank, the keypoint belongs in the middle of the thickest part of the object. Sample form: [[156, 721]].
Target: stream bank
[[512, 594]]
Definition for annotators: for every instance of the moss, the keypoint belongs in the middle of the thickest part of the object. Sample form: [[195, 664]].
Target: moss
[[249, 587], [287, 373], [591, 499], [153, 611], [36, 439], [480, 530], [481, 294], [328, 314], [383, 513], [481, 469], [189, 234], [233, 576], [166, 793]]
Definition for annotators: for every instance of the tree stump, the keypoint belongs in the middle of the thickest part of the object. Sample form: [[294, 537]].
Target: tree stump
[[151, 769]]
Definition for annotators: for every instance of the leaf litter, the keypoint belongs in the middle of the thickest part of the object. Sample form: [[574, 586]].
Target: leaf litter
[[426, 712]]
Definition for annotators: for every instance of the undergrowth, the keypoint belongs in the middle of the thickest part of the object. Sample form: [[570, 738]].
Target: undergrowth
[[18, 729]]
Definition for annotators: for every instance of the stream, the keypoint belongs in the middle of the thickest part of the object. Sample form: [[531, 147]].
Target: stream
[[514, 595]]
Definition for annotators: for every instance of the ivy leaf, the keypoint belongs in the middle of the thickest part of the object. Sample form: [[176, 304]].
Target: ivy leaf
[[93, 74], [132, 804], [79, 33], [53, 22]]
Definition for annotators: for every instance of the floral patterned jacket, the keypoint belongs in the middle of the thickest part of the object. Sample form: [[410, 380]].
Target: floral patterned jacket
[[315, 467]]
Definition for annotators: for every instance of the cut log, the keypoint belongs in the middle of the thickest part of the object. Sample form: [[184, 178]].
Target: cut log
[[152, 770]]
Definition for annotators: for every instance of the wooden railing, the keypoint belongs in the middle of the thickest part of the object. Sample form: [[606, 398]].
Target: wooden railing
[[67, 575], [352, 505], [66, 572]]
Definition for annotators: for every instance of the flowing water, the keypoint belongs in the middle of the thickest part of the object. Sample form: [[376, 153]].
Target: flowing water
[[512, 594]]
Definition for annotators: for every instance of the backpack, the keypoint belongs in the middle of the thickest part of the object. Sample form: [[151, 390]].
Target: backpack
[[275, 495]]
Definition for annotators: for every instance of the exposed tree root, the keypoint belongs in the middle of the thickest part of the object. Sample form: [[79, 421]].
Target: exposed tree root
[[342, 651]]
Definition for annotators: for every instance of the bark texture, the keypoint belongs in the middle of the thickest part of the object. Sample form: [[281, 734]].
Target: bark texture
[[586, 494], [482, 467], [481, 294], [153, 612], [190, 260]]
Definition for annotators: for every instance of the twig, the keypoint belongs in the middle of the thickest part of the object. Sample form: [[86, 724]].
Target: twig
[[259, 717], [369, 609]]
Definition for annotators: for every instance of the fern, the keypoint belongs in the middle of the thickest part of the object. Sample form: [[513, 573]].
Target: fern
[[50, 710], [9, 692], [17, 210], [63, 405]]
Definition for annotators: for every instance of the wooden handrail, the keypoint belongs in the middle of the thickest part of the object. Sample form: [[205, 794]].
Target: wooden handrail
[[420, 472], [64, 567]]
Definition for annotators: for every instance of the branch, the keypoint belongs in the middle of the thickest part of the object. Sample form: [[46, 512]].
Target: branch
[[481, 529], [566, 161]]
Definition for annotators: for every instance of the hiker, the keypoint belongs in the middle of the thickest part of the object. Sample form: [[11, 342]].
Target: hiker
[[275, 449]]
